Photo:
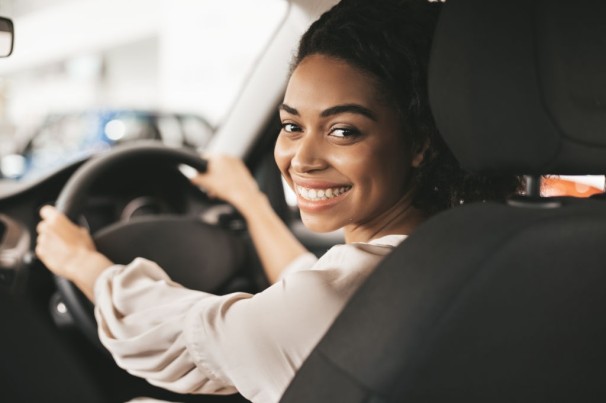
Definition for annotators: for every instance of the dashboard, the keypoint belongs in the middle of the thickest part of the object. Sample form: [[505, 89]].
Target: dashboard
[[133, 191]]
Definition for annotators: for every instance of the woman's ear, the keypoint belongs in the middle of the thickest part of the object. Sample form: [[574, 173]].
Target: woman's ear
[[419, 155]]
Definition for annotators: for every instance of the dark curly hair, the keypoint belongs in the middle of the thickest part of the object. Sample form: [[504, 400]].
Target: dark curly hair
[[391, 40]]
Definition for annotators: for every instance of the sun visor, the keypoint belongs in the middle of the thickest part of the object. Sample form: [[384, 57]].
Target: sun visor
[[519, 86]]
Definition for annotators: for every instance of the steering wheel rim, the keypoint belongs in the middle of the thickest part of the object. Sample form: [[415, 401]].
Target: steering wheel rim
[[71, 203]]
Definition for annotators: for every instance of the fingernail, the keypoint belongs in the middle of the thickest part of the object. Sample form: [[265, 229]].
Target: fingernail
[[47, 209]]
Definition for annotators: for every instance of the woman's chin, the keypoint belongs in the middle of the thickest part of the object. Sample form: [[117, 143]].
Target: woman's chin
[[318, 224]]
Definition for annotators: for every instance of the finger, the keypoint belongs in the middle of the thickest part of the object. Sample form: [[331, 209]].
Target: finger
[[40, 239], [199, 180], [57, 220], [41, 245], [39, 251], [48, 211], [41, 227], [53, 216], [193, 173]]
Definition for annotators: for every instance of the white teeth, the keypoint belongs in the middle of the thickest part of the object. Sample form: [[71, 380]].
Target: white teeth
[[321, 194]]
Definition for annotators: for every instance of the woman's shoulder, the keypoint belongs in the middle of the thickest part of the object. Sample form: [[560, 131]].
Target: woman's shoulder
[[377, 246], [354, 255], [384, 243], [346, 258]]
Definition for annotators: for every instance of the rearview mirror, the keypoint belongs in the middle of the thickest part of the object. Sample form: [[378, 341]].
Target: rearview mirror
[[6, 36]]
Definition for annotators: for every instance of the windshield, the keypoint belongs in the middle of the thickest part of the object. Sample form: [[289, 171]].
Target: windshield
[[86, 75]]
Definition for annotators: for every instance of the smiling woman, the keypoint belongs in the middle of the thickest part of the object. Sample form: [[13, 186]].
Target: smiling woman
[[359, 147], [342, 150]]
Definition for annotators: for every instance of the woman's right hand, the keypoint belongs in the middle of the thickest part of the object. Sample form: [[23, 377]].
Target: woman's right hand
[[68, 250], [227, 178]]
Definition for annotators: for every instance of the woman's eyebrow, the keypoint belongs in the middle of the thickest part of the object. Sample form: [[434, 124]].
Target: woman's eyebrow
[[335, 110], [349, 108], [289, 109]]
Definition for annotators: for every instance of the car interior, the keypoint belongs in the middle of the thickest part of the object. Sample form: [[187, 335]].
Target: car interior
[[492, 302], [498, 302], [139, 192]]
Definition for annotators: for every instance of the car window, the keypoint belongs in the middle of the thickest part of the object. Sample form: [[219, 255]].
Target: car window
[[179, 63], [577, 186], [195, 131]]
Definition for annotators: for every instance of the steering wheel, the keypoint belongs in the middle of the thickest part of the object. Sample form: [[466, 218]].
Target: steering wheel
[[174, 242]]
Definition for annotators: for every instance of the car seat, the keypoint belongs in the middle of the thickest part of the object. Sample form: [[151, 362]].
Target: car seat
[[493, 302]]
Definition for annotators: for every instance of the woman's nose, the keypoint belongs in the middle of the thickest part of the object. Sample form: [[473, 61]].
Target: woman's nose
[[309, 154]]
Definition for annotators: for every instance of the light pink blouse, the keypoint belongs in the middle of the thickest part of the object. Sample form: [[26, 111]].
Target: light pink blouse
[[194, 342]]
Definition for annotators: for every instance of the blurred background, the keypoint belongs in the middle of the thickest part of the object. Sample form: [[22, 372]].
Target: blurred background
[[88, 74]]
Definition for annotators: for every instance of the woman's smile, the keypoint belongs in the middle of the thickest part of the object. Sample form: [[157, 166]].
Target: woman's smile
[[315, 196]]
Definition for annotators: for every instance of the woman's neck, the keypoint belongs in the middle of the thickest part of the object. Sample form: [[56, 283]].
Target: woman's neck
[[402, 219]]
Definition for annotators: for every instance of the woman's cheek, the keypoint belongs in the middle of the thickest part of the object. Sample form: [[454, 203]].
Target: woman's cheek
[[283, 153], [354, 161]]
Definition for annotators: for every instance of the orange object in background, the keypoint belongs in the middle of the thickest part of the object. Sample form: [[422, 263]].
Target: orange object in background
[[557, 186]]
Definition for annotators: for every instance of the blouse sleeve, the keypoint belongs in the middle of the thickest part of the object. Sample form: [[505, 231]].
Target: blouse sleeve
[[194, 342], [140, 314]]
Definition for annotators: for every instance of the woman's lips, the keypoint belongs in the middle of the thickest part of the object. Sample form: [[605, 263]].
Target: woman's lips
[[317, 197], [319, 194]]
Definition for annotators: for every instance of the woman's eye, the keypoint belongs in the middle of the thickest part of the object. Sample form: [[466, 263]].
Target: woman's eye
[[344, 132], [290, 128]]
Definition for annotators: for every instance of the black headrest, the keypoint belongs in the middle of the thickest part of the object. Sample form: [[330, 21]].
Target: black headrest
[[519, 86]]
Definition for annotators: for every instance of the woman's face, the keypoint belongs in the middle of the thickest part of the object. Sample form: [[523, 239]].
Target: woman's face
[[342, 150]]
